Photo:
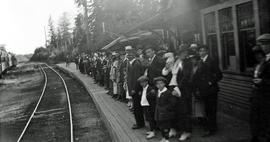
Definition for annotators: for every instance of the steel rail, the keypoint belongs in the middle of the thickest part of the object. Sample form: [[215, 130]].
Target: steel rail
[[69, 104], [42, 94], [33, 113]]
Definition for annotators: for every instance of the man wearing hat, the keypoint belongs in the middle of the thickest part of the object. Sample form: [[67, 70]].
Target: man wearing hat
[[194, 48], [208, 76], [262, 93], [128, 49], [134, 71], [156, 65]]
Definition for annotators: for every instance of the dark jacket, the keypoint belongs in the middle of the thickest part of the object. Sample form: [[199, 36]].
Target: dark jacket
[[151, 95], [183, 107], [99, 65], [260, 102], [265, 76], [207, 77], [165, 107], [123, 69], [183, 77], [155, 69], [134, 71]]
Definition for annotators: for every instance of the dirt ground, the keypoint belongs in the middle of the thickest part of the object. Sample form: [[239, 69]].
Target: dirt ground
[[88, 125], [19, 92]]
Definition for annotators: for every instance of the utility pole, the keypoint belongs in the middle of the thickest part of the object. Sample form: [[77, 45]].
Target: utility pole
[[86, 24], [45, 37]]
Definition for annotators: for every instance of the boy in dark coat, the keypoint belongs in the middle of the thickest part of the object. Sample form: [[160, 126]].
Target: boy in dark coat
[[148, 103], [165, 103]]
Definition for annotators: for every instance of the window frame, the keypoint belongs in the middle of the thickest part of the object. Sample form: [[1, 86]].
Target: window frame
[[233, 5], [226, 64], [244, 67]]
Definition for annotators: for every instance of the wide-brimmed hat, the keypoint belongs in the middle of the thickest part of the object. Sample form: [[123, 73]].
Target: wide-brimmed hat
[[160, 78], [143, 79], [194, 45], [168, 55], [264, 38]]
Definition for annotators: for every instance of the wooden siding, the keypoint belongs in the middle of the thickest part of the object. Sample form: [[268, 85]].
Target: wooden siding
[[234, 95]]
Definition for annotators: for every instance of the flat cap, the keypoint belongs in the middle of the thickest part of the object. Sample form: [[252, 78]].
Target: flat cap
[[263, 38], [160, 78], [168, 55], [115, 54], [194, 45], [128, 47], [142, 78]]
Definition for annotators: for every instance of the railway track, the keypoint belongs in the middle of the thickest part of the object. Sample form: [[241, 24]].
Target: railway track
[[51, 119]]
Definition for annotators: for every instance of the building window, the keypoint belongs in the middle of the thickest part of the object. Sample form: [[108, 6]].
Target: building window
[[264, 12], [227, 39], [246, 27], [210, 26], [210, 23]]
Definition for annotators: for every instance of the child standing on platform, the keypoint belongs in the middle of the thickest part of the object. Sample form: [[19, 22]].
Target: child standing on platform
[[164, 113], [148, 103]]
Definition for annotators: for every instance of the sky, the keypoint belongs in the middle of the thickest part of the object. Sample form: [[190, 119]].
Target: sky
[[22, 22]]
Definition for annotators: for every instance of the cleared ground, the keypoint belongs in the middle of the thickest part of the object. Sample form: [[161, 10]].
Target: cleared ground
[[19, 93]]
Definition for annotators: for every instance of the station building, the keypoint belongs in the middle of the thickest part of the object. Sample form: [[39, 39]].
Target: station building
[[228, 27]]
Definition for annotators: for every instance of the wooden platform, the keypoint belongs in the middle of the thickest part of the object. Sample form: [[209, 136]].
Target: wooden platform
[[119, 119], [116, 115]]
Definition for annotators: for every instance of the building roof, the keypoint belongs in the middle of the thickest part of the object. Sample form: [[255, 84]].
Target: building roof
[[157, 21]]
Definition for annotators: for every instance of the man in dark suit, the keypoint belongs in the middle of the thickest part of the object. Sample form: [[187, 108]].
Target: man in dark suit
[[208, 75], [98, 69], [156, 65], [261, 99], [134, 71]]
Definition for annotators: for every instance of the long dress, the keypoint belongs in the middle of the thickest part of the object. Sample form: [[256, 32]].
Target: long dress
[[113, 76], [198, 106]]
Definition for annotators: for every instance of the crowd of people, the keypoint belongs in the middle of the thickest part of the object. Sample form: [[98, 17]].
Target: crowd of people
[[168, 89], [163, 88]]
